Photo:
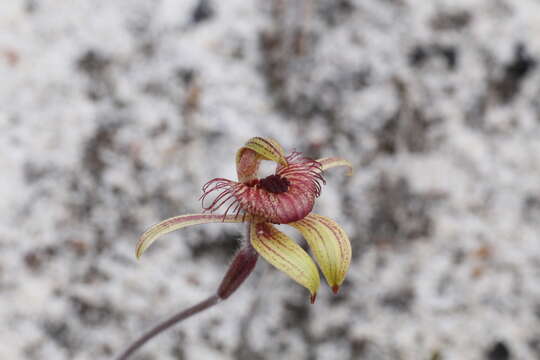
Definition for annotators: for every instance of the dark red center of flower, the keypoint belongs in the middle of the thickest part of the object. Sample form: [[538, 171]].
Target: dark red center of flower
[[275, 184]]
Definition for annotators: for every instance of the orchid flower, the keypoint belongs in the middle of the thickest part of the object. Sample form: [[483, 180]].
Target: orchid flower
[[285, 197]]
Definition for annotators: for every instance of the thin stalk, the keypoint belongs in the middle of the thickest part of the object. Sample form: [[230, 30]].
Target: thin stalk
[[203, 305], [240, 268]]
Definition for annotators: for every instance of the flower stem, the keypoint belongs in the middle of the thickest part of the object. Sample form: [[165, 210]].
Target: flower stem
[[203, 305]]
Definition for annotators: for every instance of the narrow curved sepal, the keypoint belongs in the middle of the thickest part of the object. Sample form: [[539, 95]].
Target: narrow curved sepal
[[330, 245], [179, 222], [286, 255], [331, 162], [249, 156]]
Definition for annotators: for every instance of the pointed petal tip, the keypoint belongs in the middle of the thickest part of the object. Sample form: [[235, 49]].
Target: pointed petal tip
[[330, 246], [313, 298]]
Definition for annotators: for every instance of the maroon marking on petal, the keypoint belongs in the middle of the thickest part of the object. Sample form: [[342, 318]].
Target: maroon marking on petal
[[335, 289], [313, 298], [263, 229], [310, 223], [269, 144], [265, 233], [336, 234]]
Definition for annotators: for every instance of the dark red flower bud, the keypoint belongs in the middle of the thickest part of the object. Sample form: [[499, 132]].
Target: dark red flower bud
[[242, 265]]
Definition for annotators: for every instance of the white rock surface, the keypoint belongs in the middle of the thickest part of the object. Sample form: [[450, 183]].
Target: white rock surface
[[113, 114]]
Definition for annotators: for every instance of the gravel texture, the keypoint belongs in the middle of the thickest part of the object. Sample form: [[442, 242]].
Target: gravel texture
[[113, 114]]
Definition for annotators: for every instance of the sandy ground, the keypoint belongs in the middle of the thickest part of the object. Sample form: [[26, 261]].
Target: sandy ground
[[113, 114]]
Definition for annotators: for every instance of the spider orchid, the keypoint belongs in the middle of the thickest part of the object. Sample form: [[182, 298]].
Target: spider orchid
[[285, 197]]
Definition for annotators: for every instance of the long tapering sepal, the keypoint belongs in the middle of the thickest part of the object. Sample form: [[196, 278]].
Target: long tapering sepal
[[330, 245], [179, 222]]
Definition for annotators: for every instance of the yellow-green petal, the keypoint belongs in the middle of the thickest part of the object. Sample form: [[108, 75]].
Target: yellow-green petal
[[286, 255], [330, 245], [331, 162], [179, 222]]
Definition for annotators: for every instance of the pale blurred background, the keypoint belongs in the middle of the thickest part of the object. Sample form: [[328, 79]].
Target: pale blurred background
[[113, 114]]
